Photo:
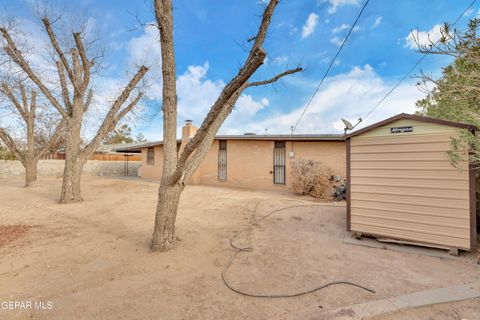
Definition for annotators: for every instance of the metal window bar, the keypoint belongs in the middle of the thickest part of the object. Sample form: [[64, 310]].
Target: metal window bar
[[222, 160], [279, 162]]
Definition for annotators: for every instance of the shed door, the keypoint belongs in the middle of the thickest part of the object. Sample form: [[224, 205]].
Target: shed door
[[222, 160], [279, 162]]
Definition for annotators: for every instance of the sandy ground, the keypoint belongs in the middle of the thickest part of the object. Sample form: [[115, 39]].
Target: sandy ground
[[463, 310], [91, 260]]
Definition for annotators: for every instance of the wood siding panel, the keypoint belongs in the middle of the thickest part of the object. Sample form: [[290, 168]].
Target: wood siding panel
[[401, 139], [402, 148], [390, 156], [402, 199], [413, 208], [454, 184], [406, 174], [404, 164], [363, 214], [421, 193], [403, 185], [412, 235]]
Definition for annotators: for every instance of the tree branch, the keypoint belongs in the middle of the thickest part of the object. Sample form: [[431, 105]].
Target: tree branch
[[83, 56], [24, 96], [89, 100], [57, 134], [13, 52], [128, 108], [10, 143], [33, 104], [112, 116], [5, 89], [260, 83], [56, 46], [64, 87]]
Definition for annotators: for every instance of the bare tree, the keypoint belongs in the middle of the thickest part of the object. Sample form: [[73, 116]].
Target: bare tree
[[27, 112], [74, 69], [178, 169]]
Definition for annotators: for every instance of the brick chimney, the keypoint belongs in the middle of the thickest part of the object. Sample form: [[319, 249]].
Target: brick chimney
[[188, 131]]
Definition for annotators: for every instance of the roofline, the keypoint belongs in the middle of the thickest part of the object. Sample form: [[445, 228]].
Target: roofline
[[412, 117], [138, 148], [286, 137]]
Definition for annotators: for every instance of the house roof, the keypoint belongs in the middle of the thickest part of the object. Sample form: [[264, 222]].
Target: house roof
[[115, 147], [251, 137], [412, 117], [283, 137], [138, 148]]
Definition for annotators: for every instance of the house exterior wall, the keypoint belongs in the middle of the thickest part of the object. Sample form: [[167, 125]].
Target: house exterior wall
[[152, 171], [403, 186], [250, 162]]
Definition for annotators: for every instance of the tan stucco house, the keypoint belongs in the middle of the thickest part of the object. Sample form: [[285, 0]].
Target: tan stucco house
[[250, 160]]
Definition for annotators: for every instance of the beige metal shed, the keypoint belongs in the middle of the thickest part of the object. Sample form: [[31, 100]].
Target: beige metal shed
[[402, 185]]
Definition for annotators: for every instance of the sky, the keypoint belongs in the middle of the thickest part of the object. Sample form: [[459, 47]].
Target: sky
[[210, 45]]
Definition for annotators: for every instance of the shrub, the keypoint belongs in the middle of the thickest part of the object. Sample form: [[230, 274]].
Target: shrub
[[311, 178]]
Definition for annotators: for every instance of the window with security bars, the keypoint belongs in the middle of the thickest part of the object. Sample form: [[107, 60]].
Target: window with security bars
[[222, 160], [151, 156], [279, 162]]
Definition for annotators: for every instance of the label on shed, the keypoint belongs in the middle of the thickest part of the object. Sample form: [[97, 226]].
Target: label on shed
[[401, 129]]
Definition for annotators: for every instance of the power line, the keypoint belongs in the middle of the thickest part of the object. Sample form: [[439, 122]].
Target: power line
[[414, 66], [331, 64]]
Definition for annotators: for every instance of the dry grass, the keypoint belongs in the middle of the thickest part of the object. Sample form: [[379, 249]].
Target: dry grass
[[312, 178], [12, 233]]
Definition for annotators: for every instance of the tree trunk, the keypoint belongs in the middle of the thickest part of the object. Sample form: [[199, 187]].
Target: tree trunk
[[30, 173], [73, 165], [164, 230], [71, 181]]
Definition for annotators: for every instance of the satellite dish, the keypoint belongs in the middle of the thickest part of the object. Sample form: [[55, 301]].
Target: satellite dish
[[347, 124]]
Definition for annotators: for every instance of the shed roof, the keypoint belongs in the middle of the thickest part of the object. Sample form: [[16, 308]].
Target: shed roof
[[412, 117]]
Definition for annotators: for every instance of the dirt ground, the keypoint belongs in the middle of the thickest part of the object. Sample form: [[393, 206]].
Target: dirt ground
[[91, 261], [463, 310]]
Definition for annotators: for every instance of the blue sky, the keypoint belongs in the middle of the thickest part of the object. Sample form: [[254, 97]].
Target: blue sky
[[210, 46]]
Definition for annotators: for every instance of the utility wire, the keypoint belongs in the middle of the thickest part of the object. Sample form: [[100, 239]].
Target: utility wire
[[415, 65], [331, 64]]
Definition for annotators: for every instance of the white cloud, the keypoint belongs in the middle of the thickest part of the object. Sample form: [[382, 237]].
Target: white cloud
[[468, 12], [423, 37], [336, 41], [341, 27], [335, 4], [377, 22], [357, 28], [310, 24], [197, 93], [145, 49], [280, 60], [350, 95]]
